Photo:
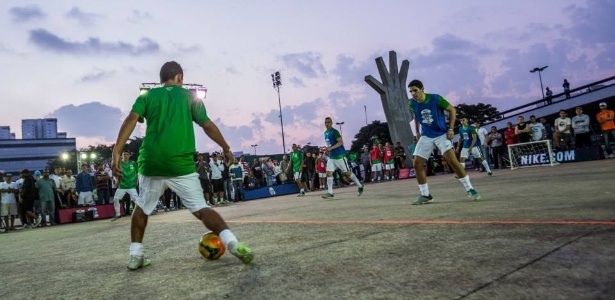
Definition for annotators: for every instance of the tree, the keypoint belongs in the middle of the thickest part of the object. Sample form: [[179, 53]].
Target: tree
[[478, 112], [366, 133]]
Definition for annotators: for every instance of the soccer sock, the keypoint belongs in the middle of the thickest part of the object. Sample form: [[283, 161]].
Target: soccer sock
[[466, 182], [116, 205], [330, 185], [354, 179], [136, 249], [424, 189], [486, 165], [227, 236]]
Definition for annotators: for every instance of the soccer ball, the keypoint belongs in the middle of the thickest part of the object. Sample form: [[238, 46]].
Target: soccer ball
[[210, 246]]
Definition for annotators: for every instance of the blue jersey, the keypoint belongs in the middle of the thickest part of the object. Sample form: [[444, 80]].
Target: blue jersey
[[430, 115], [331, 136], [465, 133]]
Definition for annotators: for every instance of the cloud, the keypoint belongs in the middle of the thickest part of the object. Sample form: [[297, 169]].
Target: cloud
[[92, 119], [232, 70], [590, 23], [26, 13], [138, 16], [307, 63], [49, 41], [96, 75], [296, 82], [86, 19]]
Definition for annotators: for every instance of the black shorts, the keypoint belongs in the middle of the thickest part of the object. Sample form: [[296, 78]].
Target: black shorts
[[218, 185], [28, 205]]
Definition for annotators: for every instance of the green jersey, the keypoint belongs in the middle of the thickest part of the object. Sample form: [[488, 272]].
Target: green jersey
[[129, 175], [296, 158], [169, 146]]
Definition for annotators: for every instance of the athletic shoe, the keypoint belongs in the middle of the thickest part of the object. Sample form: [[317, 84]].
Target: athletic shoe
[[423, 199], [489, 173], [38, 221], [301, 194], [473, 194], [241, 251], [115, 218], [361, 189], [327, 196], [138, 261]]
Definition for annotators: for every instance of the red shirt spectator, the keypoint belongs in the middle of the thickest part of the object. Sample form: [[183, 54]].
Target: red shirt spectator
[[509, 134]]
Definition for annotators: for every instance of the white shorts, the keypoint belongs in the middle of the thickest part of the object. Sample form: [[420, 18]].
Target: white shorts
[[340, 163], [425, 145], [297, 176], [465, 153], [187, 187], [322, 175], [9, 209], [85, 198], [390, 166], [377, 167], [119, 194]]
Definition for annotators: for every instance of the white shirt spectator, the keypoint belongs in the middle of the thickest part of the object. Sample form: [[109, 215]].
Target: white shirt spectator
[[561, 124], [537, 130], [216, 169], [8, 197]]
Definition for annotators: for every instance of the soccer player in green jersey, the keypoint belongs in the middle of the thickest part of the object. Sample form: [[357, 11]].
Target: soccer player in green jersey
[[337, 159], [166, 159], [296, 162], [127, 184]]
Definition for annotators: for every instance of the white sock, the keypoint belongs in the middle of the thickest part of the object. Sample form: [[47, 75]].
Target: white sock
[[116, 205], [136, 249], [330, 185], [424, 189], [466, 182], [486, 165], [302, 191], [354, 179], [227, 236]]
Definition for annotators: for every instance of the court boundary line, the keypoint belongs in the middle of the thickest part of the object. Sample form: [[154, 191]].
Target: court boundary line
[[407, 222]]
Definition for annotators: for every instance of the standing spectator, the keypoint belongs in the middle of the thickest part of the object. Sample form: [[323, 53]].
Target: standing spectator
[[566, 86], [388, 156], [236, 172], [257, 172], [580, 124], [400, 158], [549, 96], [46, 190], [366, 162], [28, 195], [284, 167], [310, 167], [481, 133], [102, 185], [522, 131], [246, 171], [228, 183], [548, 129], [202, 168], [8, 208], [84, 186], [537, 130], [321, 169], [496, 145], [68, 186], [58, 194], [217, 182], [376, 162], [562, 133], [509, 134], [607, 125]]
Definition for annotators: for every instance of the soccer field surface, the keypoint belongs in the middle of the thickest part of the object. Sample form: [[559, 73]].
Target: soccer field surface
[[538, 233]]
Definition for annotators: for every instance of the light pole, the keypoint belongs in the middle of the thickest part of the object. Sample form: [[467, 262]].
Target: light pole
[[254, 146], [276, 78], [365, 106], [340, 124], [539, 70]]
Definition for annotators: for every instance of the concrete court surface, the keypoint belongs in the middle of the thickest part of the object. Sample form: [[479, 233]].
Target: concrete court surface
[[538, 233]]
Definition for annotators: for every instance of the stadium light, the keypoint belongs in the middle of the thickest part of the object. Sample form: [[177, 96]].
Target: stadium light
[[254, 146], [64, 156], [84, 155], [198, 89], [539, 70], [276, 78], [340, 124]]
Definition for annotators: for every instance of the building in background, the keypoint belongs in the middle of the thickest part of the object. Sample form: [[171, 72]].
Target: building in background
[[40, 143]]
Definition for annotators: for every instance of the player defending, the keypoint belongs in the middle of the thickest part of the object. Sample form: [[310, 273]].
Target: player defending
[[128, 184], [166, 159], [470, 143], [337, 159], [429, 110]]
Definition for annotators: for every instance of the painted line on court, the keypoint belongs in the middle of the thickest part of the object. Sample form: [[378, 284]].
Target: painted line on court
[[425, 222]]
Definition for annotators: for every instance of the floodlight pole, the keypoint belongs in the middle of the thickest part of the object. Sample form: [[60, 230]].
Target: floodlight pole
[[539, 70], [276, 78]]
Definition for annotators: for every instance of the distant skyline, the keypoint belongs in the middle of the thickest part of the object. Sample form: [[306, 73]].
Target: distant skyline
[[83, 62]]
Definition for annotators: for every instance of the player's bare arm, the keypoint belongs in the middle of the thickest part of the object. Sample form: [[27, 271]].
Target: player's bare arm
[[452, 117]]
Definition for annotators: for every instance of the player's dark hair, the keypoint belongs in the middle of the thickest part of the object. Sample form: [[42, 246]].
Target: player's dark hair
[[169, 70], [417, 83]]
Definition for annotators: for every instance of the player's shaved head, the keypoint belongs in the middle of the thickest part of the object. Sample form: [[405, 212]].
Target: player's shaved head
[[169, 70]]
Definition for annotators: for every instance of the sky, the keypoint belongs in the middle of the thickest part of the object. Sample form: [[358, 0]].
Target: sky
[[83, 62]]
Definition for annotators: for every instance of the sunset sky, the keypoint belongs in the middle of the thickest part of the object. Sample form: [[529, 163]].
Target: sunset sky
[[82, 62]]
